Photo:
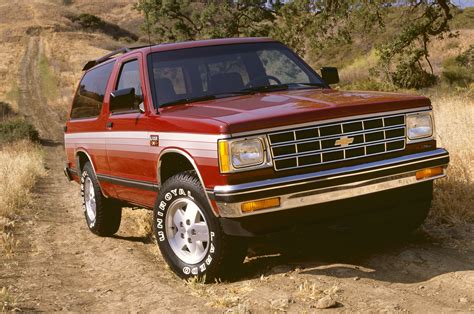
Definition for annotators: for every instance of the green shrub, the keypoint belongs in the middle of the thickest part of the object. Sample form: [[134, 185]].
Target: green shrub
[[93, 23], [15, 129], [409, 75], [5, 110], [459, 71]]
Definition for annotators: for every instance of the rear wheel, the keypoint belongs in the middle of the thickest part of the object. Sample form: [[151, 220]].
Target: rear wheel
[[190, 236], [102, 215]]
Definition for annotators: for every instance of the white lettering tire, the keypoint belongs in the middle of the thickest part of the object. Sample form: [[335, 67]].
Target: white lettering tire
[[190, 236]]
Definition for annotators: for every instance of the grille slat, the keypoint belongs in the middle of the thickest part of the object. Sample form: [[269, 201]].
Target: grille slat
[[337, 141]]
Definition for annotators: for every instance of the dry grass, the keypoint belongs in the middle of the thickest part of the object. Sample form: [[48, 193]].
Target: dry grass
[[454, 195], [21, 164], [7, 300]]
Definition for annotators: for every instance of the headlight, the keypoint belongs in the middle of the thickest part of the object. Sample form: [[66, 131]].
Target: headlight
[[236, 155], [419, 125]]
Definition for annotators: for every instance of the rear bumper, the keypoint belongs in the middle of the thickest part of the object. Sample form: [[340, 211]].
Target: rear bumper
[[330, 185]]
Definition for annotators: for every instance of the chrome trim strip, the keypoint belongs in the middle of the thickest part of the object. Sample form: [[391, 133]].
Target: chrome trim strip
[[324, 195], [277, 183], [316, 123], [198, 137]]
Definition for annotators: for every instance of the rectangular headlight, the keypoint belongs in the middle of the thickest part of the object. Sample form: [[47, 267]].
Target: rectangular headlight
[[419, 125], [242, 154], [247, 153]]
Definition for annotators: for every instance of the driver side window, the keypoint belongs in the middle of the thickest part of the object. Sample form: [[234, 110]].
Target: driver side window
[[277, 64], [130, 78]]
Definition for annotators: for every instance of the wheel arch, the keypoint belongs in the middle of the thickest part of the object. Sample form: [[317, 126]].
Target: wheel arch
[[190, 164], [82, 156]]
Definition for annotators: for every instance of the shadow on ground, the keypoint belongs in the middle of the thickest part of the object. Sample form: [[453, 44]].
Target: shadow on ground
[[412, 258]]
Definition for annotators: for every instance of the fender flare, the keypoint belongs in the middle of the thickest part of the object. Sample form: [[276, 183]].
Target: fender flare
[[193, 164]]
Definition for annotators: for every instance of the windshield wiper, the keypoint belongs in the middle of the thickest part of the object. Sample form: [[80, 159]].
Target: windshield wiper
[[310, 84], [188, 100], [266, 88]]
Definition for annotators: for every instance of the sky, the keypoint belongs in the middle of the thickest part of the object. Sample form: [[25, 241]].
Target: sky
[[464, 3]]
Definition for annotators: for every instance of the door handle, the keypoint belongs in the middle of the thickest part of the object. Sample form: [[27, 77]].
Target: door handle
[[110, 124]]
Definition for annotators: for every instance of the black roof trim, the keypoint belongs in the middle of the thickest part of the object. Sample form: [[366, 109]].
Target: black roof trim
[[93, 63]]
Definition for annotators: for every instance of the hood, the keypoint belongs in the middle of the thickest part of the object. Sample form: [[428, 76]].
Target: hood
[[276, 109]]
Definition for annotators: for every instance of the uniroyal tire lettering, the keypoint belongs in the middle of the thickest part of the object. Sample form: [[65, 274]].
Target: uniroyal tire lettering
[[202, 267], [168, 196], [209, 259], [181, 192], [186, 270], [190, 196], [211, 249], [175, 192], [161, 236], [195, 271], [159, 222], [162, 205]]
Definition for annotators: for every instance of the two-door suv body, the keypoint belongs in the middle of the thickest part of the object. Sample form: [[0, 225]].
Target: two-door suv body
[[232, 138]]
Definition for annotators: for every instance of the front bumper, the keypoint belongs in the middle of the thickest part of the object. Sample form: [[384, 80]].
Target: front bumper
[[329, 185]]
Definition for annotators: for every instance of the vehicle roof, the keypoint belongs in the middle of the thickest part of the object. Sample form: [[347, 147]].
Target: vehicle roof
[[207, 42], [175, 46]]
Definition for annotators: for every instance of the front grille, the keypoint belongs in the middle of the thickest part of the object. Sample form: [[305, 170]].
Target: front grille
[[334, 142]]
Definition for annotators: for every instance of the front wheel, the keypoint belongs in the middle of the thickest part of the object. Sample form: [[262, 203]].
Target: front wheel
[[190, 236]]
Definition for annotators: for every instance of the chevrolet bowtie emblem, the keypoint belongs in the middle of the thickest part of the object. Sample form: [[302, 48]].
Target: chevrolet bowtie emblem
[[344, 141]]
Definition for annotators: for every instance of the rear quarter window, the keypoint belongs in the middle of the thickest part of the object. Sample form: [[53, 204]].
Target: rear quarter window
[[90, 94]]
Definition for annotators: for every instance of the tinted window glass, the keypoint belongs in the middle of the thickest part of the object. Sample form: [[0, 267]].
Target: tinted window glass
[[90, 95], [220, 70], [130, 78], [281, 66]]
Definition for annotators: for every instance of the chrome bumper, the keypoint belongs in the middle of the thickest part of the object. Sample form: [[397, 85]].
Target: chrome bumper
[[329, 185]]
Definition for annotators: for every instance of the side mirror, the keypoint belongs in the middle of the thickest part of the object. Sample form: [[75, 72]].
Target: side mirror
[[330, 75], [122, 100]]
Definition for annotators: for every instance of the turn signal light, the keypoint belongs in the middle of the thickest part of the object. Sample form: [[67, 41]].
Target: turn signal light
[[262, 204], [429, 172], [224, 159]]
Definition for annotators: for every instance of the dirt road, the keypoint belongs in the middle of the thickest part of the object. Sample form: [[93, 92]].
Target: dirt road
[[60, 265]]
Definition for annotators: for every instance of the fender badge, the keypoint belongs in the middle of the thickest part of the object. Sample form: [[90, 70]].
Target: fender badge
[[344, 141], [154, 140]]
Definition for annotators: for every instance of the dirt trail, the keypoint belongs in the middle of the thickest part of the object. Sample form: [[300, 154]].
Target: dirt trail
[[60, 265]]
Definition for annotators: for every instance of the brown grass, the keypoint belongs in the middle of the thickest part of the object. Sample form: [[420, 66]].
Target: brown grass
[[454, 195], [21, 164], [7, 300]]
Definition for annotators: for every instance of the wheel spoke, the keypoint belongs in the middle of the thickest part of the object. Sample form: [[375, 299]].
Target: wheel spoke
[[192, 213], [201, 232], [180, 242], [178, 219], [192, 247]]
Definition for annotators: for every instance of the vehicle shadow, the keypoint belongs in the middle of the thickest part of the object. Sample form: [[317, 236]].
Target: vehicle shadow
[[144, 240], [393, 258]]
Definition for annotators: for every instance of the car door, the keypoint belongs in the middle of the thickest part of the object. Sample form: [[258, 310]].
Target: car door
[[131, 158]]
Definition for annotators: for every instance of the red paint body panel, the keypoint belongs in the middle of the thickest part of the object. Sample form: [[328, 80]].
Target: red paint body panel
[[227, 116]]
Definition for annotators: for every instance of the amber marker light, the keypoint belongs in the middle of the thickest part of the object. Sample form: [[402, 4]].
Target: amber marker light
[[428, 173], [248, 207], [224, 158]]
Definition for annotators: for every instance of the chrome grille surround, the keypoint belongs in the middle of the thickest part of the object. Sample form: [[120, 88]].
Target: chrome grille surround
[[316, 145]]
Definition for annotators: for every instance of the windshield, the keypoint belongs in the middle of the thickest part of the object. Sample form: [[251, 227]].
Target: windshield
[[194, 74]]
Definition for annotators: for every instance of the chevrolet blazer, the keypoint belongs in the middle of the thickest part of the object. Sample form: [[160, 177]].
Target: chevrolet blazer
[[233, 138]]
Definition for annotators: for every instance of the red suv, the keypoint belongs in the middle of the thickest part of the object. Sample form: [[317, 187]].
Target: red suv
[[233, 138]]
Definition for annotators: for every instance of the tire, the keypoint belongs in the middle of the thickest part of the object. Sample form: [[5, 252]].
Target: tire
[[102, 215], [189, 235]]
